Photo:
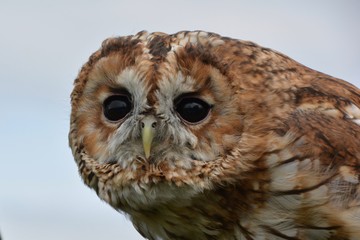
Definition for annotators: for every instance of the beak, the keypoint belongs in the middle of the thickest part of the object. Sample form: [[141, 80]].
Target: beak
[[148, 128]]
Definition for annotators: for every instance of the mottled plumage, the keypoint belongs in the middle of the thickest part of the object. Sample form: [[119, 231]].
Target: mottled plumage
[[198, 136]]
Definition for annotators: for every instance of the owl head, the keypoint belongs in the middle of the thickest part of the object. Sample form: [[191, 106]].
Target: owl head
[[157, 111]]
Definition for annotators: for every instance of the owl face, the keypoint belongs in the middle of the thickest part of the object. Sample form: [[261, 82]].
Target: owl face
[[154, 121], [156, 105]]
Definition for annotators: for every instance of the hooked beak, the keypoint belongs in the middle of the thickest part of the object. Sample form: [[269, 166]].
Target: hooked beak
[[148, 127]]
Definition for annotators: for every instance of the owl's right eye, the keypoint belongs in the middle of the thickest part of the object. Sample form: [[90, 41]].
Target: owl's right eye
[[116, 107]]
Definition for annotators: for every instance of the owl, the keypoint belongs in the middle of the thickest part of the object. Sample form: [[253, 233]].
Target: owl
[[197, 136]]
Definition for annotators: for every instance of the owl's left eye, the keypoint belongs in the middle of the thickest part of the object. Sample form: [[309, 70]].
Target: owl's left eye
[[192, 110], [117, 107]]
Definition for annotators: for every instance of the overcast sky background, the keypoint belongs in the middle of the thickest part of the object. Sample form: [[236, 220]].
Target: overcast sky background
[[43, 44]]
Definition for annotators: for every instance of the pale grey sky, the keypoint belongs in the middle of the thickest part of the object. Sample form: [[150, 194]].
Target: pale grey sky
[[43, 45]]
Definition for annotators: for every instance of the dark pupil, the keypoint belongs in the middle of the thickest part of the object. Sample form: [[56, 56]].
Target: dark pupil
[[193, 110], [117, 107]]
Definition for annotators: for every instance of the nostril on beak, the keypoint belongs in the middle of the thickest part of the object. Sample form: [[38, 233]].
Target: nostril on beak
[[148, 121]]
